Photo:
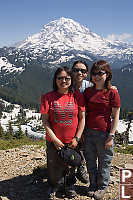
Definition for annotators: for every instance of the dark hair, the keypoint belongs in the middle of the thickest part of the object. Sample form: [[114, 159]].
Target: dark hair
[[58, 71], [82, 62], [102, 65]]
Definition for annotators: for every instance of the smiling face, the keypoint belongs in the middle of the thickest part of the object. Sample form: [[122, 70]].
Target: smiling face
[[79, 72], [63, 81], [99, 77]]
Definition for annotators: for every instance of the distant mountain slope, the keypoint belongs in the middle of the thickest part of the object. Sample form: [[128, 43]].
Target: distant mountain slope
[[26, 70], [124, 83], [65, 35]]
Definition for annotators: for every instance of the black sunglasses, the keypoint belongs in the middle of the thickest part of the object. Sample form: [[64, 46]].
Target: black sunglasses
[[83, 71], [98, 73], [61, 78]]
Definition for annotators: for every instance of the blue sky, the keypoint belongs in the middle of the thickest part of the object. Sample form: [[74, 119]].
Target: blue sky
[[108, 18]]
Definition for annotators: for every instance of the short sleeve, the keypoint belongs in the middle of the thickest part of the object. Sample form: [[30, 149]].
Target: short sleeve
[[115, 98], [80, 100], [44, 104]]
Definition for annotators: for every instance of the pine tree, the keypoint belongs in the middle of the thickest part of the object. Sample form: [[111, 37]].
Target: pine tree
[[26, 132], [9, 133], [126, 135], [2, 134], [0, 113], [19, 134]]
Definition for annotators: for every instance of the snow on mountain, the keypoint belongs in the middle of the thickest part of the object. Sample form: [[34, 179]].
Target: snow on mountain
[[62, 40], [31, 115], [33, 123], [122, 126], [7, 67], [65, 35]]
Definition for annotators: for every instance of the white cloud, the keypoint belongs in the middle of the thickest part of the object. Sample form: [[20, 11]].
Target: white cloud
[[125, 37]]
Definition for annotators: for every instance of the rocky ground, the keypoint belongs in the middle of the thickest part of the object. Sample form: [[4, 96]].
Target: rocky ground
[[22, 175]]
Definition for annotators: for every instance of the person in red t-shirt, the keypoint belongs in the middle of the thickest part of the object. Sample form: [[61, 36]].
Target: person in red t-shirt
[[102, 107], [63, 116]]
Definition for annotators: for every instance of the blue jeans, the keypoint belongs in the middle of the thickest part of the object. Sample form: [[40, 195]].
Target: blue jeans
[[98, 159]]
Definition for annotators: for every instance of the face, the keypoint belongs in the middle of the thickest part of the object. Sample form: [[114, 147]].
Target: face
[[99, 77], [63, 81], [79, 72]]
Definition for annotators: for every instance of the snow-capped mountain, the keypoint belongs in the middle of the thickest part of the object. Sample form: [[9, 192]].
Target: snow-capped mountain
[[26, 70], [64, 39], [65, 35]]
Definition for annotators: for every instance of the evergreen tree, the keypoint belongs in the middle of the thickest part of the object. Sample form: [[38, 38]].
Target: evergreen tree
[[2, 134], [26, 132], [19, 134], [0, 113], [126, 135], [9, 133]]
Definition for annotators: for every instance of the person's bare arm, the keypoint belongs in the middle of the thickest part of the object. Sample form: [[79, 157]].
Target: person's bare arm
[[45, 119], [114, 124], [80, 129]]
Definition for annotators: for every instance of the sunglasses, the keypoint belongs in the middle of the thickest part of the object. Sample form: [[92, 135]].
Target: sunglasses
[[83, 71], [98, 73], [61, 78]]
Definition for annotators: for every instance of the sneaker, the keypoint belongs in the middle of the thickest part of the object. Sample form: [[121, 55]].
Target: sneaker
[[51, 193], [70, 191], [82, 174], [99, 194]]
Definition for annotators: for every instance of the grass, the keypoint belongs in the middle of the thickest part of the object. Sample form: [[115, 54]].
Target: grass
[[14, 143], [124, 149]]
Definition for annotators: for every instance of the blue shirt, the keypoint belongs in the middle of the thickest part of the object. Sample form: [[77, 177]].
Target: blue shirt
[[85, 84]]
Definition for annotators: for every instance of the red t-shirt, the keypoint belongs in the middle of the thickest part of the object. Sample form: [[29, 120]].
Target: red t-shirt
[[99, 108], [63, 113]]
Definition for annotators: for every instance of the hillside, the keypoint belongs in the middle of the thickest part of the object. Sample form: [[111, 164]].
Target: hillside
[[19, 182], [30, 120], [26, 89]]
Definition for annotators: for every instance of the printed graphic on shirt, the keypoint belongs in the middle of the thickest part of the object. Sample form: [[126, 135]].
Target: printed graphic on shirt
[[63, 116]]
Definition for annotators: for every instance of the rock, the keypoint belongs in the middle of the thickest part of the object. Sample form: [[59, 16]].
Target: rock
[[129, 166]]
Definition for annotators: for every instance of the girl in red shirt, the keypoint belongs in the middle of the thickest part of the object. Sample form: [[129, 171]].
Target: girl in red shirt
[[63, 115], [103, 107]]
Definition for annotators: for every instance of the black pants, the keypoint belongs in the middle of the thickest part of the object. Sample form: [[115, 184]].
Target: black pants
[[57, 169], [80, 150]]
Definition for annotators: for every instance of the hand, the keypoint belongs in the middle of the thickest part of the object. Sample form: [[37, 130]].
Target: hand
[[114, 87], [73, 144], [58, 144], [108, 142]]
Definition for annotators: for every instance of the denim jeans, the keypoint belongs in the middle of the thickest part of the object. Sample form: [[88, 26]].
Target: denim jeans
[[98, 159]]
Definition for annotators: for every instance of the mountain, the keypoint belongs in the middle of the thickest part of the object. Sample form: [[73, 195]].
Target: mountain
[[63, 39], [127, 68], [65, 35], [26, 70]]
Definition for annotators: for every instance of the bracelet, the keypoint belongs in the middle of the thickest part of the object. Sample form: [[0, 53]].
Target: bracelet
[[112, 135], [77, 139]]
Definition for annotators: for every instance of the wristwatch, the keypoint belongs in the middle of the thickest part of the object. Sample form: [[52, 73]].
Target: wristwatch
[[112, 135], [77, 139]]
